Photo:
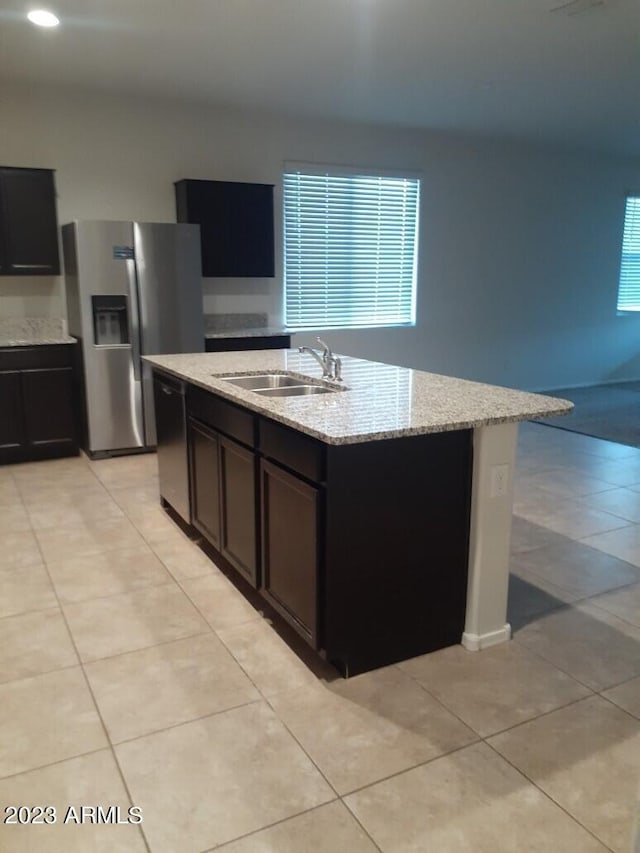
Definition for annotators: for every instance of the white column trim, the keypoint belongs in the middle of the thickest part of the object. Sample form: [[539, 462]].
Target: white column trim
[[488, 578]]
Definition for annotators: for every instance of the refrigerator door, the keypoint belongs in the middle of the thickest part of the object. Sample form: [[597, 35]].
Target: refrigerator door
[[107, 317], [170, 298]]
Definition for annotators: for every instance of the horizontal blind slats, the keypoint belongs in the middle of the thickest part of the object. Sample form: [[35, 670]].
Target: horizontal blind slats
[[629, 285], [350, 244]]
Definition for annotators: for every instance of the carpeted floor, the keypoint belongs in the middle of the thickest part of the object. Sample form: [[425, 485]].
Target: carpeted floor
[[610, 411]]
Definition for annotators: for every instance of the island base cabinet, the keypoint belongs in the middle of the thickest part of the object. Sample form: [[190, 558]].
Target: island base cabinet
[[238, 527], [290, 548], [205, 493], [362, 548], [397, 539]]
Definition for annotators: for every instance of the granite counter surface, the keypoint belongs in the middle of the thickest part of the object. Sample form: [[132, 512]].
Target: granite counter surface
[[33, 331], [257, 332], [378, 401]]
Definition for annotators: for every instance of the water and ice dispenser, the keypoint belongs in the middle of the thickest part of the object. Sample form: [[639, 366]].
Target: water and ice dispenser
[[110, 320]]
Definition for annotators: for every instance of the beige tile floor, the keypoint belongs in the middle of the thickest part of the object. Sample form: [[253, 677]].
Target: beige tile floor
[[133, 672]]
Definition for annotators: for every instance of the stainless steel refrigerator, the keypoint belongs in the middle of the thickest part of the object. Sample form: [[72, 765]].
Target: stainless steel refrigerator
[[133, 289]]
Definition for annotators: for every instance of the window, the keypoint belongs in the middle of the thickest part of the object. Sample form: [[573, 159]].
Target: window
[[350, 249], [629, 286]]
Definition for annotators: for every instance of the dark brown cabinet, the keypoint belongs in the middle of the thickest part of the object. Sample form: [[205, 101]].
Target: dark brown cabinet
[[290, 517], [28, 222], [362, 548], [205, 481], [238, 540], [223, 479], [38, 412], [48, 407], [236, 225], [11, 414]]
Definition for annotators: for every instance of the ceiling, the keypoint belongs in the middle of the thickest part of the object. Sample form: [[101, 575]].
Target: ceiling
[[507, 67]]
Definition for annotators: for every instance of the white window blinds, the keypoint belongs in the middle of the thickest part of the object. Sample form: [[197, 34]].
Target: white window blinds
[[350, 250], [629, 286]]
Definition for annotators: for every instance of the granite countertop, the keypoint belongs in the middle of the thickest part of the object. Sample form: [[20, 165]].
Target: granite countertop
[[257, 332], [379, 401], [33, 331]]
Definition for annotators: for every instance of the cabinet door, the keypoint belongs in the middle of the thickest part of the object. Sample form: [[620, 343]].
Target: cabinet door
[[205, 476], [12, 435], [49, 414], [236, 225], [29, 222], [238, 503], [290, 548]]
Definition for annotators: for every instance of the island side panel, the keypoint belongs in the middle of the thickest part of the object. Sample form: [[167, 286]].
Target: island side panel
[[397, 537], [494, 452]]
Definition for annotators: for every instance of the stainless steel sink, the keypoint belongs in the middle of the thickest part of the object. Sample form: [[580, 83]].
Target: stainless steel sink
[[263, 381], [295, 390], [279, 384]]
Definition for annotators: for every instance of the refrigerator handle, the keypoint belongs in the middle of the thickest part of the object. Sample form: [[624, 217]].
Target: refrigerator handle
[[134, 319]]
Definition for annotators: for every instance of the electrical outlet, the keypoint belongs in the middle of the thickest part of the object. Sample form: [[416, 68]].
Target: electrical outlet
[[499, 480]]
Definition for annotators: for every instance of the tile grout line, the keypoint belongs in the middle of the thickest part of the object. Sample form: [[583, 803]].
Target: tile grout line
[[564, 671], [285, 820], [177, 725], [266, 700], [610, 612], [515, 725], [96, 707], [551, 799], [619, 707], [52, 764]]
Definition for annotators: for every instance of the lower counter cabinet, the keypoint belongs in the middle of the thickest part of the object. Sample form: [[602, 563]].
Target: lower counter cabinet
[[238, 527], [205, 489], [290, 548], [223, 497], [37, 403]]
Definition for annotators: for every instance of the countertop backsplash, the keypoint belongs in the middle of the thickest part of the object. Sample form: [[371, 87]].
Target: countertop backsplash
[[21, 331], [232, 322], [240, 326]]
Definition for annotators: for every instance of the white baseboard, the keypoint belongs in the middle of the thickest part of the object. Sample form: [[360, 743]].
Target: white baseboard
[[476, 642]]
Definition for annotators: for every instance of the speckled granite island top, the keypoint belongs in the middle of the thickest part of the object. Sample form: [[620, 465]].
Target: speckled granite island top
[[378, 401]]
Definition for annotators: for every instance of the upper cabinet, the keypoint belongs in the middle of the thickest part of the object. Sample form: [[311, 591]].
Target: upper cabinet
[[236, 225], [28, 222]]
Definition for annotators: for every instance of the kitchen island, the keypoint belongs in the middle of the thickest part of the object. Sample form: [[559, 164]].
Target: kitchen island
[[374, 518]]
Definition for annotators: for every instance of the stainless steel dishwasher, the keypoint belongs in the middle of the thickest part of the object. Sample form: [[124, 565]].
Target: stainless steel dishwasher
[[171, 426]]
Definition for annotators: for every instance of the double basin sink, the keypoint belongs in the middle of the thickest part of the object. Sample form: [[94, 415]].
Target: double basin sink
[[280, 384]]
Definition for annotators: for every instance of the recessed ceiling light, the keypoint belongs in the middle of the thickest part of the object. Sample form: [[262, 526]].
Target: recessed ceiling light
[[42, 18]]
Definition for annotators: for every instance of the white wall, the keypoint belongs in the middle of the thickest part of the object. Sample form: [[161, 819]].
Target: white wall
[[519, 246]]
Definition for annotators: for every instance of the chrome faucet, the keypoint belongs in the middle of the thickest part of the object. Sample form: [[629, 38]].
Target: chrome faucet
[[330, 364]]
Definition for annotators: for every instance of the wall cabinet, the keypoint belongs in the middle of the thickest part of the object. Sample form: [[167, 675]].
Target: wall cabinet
[[28, 222], [37, 403], [236, 225]]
